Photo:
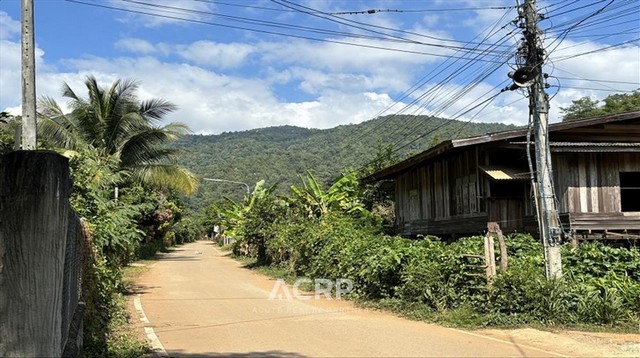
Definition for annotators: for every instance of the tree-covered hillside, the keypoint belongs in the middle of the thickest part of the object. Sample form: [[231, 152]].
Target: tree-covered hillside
[[280, 154]]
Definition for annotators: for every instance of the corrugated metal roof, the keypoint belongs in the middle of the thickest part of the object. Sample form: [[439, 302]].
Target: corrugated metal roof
[[449, 145], [505, 173], [590, 147], [587, 144]]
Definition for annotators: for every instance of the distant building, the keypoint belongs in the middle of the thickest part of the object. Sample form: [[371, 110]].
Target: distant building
[[458, 186]]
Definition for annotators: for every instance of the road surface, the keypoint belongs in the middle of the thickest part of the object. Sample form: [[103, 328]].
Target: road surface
[[198, 302]]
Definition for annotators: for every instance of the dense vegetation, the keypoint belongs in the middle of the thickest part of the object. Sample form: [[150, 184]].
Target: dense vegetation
[[329, 233], [303, 226], [126, 187], [281, 154], [615, 103]]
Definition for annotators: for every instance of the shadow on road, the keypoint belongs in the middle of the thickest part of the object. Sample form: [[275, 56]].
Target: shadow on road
[[179, 258], [137, 289], [265, 354]]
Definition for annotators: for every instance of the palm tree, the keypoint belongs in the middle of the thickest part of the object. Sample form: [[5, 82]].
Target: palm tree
[[114, 121]]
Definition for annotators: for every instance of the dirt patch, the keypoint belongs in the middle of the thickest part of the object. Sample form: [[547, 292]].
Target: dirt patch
[[573, 343]]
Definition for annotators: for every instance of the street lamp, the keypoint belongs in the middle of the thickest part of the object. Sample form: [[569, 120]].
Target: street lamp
[[231, 181]]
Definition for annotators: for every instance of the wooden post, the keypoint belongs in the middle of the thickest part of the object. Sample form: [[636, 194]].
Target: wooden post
[[494, 228], [489, 256]]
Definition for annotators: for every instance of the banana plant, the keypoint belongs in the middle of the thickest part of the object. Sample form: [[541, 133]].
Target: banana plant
[[234, 212], [343, 195]]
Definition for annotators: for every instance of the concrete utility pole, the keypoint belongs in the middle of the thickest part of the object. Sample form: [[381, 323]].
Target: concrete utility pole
[[28, 77], [548, 221]]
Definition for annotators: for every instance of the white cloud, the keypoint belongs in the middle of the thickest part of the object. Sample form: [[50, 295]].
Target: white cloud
[[235, 86], [215, 54], [211, 102], [337, 57], [10, 78], [206, 53], [138, 46], [317, 81], [9, 28], [163, 12]]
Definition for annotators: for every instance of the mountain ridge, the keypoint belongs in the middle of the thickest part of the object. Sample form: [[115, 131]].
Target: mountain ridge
[[279, 154]]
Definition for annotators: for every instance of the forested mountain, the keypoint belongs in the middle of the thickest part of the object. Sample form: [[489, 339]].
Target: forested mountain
[[280, 154]]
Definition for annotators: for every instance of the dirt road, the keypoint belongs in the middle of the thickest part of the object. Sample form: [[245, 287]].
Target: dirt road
[[198, 302]]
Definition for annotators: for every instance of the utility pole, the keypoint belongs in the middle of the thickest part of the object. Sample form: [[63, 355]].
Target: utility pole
[[548, 222], [28, 77]]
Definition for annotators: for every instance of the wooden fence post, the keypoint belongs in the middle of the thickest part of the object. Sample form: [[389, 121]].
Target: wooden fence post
[[489, 250], [489, 256], [494, 228]]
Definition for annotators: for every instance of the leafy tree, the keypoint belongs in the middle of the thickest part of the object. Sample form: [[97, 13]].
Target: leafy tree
[[8, 126], [384, 157], [117, 123], [280, 154], [615, 103]]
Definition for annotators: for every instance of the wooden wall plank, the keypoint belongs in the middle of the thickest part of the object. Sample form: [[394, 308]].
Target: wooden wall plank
[[582, 183]]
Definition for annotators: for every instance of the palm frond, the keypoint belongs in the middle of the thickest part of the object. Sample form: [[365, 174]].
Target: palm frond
[[68, 92], [177, 129], [56, 127], [136, 148], [166, 176], [156, 108], [156, 155]]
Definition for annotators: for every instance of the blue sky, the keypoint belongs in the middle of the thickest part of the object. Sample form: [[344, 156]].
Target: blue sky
[[226, 79]]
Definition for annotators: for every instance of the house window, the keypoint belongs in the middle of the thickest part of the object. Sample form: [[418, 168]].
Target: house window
[[630, 191]]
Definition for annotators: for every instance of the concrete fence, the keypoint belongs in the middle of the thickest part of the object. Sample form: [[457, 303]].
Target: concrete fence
[[40, 258]]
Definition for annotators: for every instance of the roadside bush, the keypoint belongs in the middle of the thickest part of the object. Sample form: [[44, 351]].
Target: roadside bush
[[187, 230], [314, 237], [424, 279], [594, 259]]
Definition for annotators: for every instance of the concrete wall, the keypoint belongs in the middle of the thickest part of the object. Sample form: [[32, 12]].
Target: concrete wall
[[40, 240]]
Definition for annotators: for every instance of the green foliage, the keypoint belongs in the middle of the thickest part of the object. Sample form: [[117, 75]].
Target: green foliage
[[616, 103], [187, 230], [8, 126], [595, 259], [383, 157], [316, 233], [344, 195], [281, 154], [116, 123], [117, 231], [445, 282]]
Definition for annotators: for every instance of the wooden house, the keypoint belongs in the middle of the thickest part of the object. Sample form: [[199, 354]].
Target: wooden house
[[458, 186]]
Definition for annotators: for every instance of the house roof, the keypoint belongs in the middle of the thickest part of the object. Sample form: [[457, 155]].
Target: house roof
[[500, 172], [449, 145]]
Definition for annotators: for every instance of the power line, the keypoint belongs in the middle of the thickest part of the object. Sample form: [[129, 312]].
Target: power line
[[374, 11], [447, 99], [596, 89], [603, 49], [564, 34], [594, 80], [350, 23], [274, 32], [215, 2]]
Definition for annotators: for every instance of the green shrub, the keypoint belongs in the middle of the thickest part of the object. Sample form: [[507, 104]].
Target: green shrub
[[594, 259]]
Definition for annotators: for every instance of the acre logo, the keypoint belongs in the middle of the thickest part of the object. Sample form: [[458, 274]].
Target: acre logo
[[323, 287]]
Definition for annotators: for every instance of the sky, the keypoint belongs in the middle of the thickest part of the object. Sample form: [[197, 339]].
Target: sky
[[235, 65]]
